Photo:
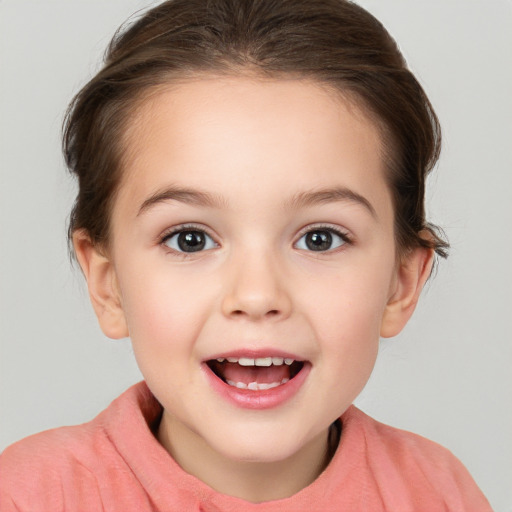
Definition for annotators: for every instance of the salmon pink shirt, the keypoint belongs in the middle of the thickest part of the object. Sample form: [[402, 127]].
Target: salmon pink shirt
[[115, 464]]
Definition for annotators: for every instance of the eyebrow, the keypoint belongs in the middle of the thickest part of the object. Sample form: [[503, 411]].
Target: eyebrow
[[298, 201], [329, 195], [183, 195]]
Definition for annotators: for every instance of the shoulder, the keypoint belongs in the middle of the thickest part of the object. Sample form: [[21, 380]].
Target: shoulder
[[33, 469], [406, 448], [401, 443], [39, 469], [71, 468], [416, 467]]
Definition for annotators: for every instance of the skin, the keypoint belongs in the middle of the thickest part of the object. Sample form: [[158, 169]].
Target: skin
[[259, 149]]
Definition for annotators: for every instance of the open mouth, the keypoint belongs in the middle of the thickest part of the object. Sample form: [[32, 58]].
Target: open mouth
[[256, 374]]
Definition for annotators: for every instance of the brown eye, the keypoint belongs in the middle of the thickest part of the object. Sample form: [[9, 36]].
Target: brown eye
[[321, 240], [189, 241]]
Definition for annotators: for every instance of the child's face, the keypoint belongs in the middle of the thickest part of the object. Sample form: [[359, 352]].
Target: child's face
[[286, 251]]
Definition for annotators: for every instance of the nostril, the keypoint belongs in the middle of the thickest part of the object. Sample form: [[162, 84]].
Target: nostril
[[251, 304], [271, 313]]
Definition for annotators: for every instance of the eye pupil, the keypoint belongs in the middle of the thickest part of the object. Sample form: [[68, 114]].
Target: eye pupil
[[191, 241], [319, 240]]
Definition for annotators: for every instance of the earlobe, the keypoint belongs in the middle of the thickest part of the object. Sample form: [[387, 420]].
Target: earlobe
[[102, 284], [412, 274]]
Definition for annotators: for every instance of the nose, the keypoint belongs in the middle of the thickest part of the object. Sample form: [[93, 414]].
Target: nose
[[256, 289]]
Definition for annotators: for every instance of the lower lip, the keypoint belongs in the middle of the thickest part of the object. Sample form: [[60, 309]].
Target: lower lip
[[258, 399]]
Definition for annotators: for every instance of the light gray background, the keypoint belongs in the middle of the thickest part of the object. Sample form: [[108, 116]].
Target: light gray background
[[446, 377]]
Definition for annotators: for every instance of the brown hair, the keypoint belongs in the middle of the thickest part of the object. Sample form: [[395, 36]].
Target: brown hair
[[334, 42]]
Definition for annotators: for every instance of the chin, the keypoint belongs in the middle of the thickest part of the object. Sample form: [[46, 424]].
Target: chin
[[262, 456], [259, 445]]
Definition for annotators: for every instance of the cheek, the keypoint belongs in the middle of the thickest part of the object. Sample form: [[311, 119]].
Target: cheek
[[346, 312], [163, 309], [164, 319], [351, 299], [350, 343]]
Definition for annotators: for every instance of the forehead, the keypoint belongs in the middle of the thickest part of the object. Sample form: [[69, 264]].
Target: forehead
[[212, 131]]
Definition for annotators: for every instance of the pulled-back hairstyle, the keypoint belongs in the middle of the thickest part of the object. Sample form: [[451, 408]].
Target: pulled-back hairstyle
[[333, 42]]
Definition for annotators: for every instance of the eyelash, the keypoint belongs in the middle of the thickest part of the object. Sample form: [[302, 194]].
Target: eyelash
[[166, 236], [344, 236]]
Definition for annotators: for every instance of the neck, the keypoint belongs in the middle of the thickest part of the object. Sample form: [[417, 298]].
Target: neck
[[252, 481]]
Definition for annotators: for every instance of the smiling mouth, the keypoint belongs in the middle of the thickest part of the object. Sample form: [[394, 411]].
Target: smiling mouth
[[256, 374]]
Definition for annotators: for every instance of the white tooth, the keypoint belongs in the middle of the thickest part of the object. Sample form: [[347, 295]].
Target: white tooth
[[239, 385], [220, 359], [270, 385], [246, 361], [284, 381], [253, 386], [277, 361], [289, 361], [263, 361], [232, 360]]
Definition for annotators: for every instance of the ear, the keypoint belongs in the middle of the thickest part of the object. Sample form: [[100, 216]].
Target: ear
[[411, 275], [102, 284]]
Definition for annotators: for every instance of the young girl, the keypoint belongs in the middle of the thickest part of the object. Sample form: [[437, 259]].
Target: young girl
[[251, 214]]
